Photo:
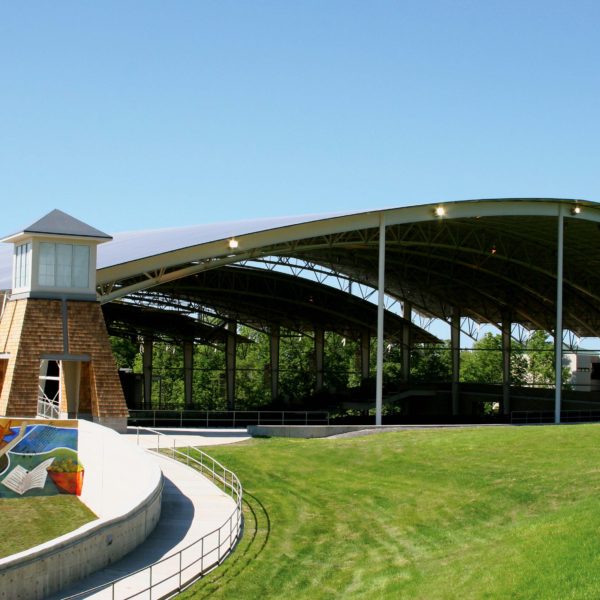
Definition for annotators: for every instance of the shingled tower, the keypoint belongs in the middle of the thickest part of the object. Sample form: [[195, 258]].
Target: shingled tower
[[55, 354]]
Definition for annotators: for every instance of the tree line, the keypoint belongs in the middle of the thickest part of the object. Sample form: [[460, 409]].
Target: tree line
[[532, 364]]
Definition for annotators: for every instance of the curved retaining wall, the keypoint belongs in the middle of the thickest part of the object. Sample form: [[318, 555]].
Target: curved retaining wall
[[305, 431], [123, 486]]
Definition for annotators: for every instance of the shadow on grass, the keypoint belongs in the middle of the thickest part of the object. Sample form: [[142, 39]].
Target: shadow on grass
[[256, 533]]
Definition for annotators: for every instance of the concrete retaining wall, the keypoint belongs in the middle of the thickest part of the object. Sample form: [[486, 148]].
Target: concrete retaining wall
[[123, 486], [304, 431]]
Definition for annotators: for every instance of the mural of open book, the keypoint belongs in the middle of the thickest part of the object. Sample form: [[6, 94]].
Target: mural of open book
[[39, 459]]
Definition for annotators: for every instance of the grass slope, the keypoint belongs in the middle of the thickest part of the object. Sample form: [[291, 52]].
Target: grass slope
[[471, 513], [27, 522]]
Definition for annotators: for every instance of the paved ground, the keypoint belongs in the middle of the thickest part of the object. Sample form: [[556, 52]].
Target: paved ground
[[187, 437], [192, 507]]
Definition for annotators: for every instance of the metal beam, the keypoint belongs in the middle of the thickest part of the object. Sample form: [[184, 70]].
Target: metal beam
[[558, 332]]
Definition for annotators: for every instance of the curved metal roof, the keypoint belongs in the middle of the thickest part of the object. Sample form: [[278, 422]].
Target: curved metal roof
[[261, 298], [491, 259]]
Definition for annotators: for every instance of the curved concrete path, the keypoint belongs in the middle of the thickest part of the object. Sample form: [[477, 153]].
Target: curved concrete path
[[192, 507]]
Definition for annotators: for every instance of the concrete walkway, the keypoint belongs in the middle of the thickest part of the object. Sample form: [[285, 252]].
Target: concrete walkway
[[192, 507], [187, 437]]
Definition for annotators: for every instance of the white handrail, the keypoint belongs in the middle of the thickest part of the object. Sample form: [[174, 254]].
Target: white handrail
[[201, 556]]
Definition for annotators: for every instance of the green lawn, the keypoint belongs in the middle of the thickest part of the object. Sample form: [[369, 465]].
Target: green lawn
[[26, 522], [471, 513]]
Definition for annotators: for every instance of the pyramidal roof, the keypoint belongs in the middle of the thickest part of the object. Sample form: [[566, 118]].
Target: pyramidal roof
[[58, 222]]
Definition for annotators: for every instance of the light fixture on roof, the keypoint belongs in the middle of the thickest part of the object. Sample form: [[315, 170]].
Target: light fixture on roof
[[576, 210], [233, 243], [439, 211]]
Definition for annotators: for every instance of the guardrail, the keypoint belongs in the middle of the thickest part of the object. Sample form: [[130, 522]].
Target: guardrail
[[47, 410], [225, 418], [536, 417], [176, 572]]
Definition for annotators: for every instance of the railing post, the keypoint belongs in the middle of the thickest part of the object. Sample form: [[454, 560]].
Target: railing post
[[180, 552], [306, 417], [153, 419], [180, 419], [258, 417], [206, 419], [138, 436], [234, 419]]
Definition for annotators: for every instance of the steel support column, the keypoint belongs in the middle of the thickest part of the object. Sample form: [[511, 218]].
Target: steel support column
[[230, 363], [188, 372], [406, 341], [380, 306], [274, 345], [506, 349], [319, 357], [455, 343], [147, 369], [365, 355], [558, 333]]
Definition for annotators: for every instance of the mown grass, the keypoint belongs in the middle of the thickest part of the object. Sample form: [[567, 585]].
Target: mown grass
[[27, 522], [471, 513]]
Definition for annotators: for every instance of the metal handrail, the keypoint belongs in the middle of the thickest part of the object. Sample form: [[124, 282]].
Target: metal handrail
[[536, 417], [204, 554], [47, 410], [230, 417]]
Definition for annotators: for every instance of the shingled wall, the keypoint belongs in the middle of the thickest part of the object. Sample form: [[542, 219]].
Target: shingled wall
[[31, 328]]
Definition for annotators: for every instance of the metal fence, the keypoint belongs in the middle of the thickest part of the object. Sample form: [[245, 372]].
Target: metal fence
[[47, 410], [536, 417], [174, 573], [225, 418]]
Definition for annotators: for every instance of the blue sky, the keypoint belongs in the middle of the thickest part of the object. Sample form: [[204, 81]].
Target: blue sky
[[134, 115]]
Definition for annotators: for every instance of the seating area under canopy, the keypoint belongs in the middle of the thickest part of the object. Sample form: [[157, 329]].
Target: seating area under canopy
[[504, 262]]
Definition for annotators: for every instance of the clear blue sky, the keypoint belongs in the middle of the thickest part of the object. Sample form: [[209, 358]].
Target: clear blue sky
[[144, 114]]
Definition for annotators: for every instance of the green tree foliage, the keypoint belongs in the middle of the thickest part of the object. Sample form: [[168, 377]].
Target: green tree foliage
[[531, 363], [124, 351], [484, 363], [539, 351], [431, 364]]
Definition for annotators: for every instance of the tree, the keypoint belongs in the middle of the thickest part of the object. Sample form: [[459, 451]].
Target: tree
[[431, 364], [124, 352], [484, 363], [539, 353]]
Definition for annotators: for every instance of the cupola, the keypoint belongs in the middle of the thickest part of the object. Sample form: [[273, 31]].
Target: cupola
[[55, 257]]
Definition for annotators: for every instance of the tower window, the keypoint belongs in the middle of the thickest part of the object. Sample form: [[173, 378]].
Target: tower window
[[22, 263], [64, 265]]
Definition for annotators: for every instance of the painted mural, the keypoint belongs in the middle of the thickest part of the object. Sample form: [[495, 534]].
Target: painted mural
[[39, 458]]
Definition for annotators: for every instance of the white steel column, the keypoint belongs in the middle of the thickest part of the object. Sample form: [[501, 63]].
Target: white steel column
[[558, 332], [380, 306]]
